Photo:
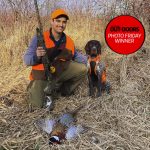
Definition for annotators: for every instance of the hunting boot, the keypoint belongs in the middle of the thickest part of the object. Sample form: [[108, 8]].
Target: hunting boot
[[49, 103]]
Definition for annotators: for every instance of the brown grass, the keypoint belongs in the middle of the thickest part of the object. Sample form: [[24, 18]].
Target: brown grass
[[119, 121]]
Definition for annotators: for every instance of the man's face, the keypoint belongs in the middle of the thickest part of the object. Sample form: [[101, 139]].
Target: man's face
[[59, 24]]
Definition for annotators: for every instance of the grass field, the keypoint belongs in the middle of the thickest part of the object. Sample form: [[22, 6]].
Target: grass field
[[119, 121]]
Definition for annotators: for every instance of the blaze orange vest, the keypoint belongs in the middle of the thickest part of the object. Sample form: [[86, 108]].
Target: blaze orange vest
[[50, 44], [97, 59]]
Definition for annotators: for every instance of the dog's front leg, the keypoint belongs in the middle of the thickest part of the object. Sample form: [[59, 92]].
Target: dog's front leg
[[107, 87], [91, 88], [99, 84]]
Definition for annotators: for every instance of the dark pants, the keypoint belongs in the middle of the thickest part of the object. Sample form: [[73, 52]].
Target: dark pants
[[69, 80]]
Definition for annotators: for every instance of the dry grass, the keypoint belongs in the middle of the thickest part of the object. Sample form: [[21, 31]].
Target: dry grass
[[119, 121], [14, 41], [83, 28]]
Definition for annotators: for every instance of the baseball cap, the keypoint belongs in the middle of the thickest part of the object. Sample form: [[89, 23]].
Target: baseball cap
[[59, 12]]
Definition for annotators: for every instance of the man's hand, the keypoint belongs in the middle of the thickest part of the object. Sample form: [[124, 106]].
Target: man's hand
[[40, 52]]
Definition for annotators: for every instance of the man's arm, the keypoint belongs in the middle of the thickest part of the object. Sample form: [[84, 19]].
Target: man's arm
[[30, 57], [79, 57]]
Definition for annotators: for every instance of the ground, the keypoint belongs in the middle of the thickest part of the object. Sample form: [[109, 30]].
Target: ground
[[119, 121]]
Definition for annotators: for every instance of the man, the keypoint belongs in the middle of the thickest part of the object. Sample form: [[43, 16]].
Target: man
[[56, 39]]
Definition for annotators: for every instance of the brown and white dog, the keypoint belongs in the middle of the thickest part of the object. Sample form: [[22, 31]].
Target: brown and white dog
[[96, 69]]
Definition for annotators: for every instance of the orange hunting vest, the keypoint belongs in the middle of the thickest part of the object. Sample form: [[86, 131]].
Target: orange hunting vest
[[39, 69], [97, 59]]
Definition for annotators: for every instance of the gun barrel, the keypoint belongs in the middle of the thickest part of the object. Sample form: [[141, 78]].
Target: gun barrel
[[38, 15]]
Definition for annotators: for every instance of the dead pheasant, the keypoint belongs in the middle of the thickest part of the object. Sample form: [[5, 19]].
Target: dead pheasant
[[61, 128]]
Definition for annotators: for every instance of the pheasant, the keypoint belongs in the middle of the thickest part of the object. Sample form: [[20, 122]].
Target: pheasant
[[61, 128]]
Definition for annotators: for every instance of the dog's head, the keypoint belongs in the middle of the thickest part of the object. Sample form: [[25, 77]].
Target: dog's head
[[93, 48]]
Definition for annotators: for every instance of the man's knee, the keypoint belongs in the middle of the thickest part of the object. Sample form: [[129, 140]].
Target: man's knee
[[83, 69]]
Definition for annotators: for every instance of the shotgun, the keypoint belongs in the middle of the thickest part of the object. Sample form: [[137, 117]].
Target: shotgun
[[41, 43], [51, 83]]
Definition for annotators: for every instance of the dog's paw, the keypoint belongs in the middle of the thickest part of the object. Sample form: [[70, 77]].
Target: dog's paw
[[107, 87], [98, 95], [91, 93]]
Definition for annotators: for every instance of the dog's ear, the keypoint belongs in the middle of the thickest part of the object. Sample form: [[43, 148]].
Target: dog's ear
[[98, 46], [87, 48]]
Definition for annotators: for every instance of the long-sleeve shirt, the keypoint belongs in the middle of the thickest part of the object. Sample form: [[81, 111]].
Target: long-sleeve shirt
[[30, 57]]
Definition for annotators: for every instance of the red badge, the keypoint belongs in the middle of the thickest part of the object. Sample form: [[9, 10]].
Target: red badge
[[125, 34]]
